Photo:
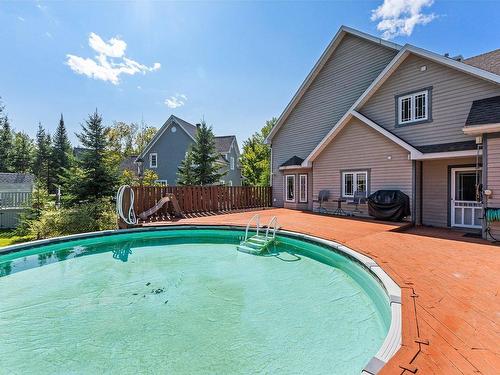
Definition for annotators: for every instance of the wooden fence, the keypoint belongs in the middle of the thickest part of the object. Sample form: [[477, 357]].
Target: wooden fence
[[201, 200]]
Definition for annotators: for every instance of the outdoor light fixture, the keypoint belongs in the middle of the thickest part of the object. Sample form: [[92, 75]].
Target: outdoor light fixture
[[140, 167]]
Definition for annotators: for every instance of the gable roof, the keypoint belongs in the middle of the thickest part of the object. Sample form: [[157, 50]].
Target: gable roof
[[385, 74], [365, 120], [489, 61], [484, 111], [343, 31], [294, 160], [16, 178], [222, 143]]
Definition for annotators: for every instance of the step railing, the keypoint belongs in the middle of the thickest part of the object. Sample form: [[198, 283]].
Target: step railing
[[273, 223], [255, 218]]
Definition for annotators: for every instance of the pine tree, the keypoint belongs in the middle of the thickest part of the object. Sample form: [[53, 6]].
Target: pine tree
[[206, 169], [60, 153], [101, 177], [5, 142], [22, 153], [41, 166], [185, 172]]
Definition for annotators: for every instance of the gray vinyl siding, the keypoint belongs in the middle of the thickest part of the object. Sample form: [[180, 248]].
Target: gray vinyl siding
[[348, 72], [171, 149], [232, 175], [452, 95], [435, 191], [493, 178], [358, 147]]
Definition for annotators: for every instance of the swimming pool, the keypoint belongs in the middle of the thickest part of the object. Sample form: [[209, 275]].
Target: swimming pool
[[184, 300]]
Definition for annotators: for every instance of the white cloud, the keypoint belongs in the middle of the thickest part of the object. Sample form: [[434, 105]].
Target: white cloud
[[21, 18], [175, 101], [48, 35], [110, 62], [399, 17]]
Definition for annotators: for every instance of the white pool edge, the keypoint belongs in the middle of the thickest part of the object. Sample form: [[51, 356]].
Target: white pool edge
[[393, 339]]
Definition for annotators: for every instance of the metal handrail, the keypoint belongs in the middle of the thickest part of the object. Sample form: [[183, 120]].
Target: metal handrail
[[273, 222], [250, 222]]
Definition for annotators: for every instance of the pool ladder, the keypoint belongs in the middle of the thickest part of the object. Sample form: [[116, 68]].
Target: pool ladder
[[258, 243]]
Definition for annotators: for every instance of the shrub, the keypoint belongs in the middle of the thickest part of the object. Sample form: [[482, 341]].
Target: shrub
[[85, 217]]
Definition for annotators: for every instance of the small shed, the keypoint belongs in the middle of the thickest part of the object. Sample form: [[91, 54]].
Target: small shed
[[15, 194]]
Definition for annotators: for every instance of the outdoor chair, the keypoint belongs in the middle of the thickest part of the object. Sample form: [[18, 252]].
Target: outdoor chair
[[359, 198], [323, 196]]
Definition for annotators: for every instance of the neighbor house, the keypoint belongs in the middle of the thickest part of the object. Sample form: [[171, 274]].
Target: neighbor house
[[15, 194], [169, 146], [375, 115]]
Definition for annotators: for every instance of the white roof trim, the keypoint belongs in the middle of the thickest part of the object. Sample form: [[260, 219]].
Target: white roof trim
[[344, 30], [480, 129], [159, 133], [382, 77], [449, 154], [404, 53], [414, 153]]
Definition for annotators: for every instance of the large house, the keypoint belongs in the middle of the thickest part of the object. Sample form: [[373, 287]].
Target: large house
[[164, 153], [374, 115]]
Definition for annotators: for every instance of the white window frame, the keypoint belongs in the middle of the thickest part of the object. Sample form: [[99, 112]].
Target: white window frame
[[301, 176], [230, 182], [291, 177], [151, 160], [232, 163], [355, 175], [162, 182], [413, 96]]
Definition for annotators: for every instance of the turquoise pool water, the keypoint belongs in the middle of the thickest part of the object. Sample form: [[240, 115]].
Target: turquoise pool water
[[187, 302]]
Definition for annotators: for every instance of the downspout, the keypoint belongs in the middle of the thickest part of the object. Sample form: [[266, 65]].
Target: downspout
[[414, 192], [485, 183]]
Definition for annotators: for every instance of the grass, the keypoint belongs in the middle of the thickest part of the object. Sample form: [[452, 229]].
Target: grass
[[8, 237]]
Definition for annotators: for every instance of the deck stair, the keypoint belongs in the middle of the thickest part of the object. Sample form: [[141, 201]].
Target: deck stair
[[258, 243]]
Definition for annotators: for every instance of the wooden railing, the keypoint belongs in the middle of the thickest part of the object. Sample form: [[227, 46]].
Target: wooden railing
[[201, 200]]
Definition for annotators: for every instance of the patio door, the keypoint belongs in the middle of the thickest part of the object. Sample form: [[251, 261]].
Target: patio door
[[465, 211]]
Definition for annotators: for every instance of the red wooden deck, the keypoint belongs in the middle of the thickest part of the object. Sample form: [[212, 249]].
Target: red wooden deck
[[450, 285]]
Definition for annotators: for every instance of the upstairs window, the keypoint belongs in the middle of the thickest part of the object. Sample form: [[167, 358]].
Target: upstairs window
[[153, 160], [413, 107], [232, 163], [303, 188]]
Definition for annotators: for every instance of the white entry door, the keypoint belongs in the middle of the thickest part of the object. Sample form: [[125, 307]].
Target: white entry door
[[465, 211]]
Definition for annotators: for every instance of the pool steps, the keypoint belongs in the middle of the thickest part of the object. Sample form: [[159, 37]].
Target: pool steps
[[258, 244]]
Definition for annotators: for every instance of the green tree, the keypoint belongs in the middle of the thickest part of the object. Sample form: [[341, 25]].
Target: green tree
[[256, 157], [185, 172], [22, 153], [205, 166], [143, 137], [61, 153], [100, 174], [122, 137], [41, 166], [5, 141]]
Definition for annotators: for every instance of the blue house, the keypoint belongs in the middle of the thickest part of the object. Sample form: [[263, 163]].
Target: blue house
[[169, 146]]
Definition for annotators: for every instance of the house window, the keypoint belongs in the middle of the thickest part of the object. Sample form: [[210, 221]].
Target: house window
[[153, 160], [290, 188], [161, 182], [303, 188], [413, 107], [230, 182], [232, 163], [352, 182]]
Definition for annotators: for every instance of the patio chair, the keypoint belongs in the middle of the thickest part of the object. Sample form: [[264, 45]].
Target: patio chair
[[323, 196], [359, 198]]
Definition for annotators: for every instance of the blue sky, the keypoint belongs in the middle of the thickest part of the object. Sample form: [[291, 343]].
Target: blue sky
[[233, 64]]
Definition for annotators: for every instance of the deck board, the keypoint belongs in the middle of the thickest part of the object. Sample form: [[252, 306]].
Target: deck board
[[456, 280]]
